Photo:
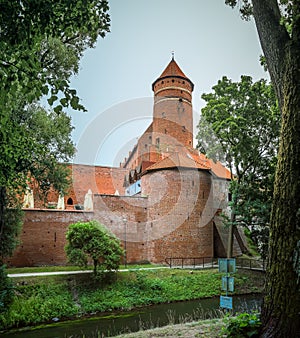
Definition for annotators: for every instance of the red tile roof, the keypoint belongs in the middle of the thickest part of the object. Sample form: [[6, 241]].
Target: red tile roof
[[173, 69], [178, 160], [191, 159]]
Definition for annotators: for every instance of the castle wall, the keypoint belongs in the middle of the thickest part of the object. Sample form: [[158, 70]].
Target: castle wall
[[173, 219], [43, 237], [180, 212], [126, 217]]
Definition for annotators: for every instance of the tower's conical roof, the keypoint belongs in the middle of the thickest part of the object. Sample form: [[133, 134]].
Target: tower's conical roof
[[172, 69]]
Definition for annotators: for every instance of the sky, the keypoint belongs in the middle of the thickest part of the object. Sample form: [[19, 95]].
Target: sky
[[209, 40]]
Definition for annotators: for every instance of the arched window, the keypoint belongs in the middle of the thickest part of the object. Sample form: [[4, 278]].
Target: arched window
[[70, 201]]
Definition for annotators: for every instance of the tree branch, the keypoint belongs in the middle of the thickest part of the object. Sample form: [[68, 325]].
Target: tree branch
[[273, 38]]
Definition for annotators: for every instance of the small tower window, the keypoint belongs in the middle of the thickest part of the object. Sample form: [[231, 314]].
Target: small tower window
[[157, 142], [173, 81], [70, 201], [183, 128], [163, 114]]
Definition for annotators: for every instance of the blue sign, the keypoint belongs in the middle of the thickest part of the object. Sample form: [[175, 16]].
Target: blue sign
[[226, 302], [227, 265], [228, 283]]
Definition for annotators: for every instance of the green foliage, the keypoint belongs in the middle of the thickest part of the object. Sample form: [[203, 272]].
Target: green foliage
[[239, 126], [42, 42], [243, 325], [92, 241], [6, 290], [39, 303], [13, 220]]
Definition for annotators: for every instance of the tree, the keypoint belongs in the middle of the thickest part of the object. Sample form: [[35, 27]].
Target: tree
[[240, 126], [278, 26], [41, 44], [92, 241]]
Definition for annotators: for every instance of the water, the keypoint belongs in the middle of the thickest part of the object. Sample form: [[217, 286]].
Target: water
[[143, 318]]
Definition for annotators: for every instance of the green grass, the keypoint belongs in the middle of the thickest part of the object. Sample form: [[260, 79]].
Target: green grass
[[72, 268], [38, 300]]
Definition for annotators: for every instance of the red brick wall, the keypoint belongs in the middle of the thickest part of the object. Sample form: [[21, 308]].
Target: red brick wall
[[43, 237], [180, 212], [172, 219], [126, 217]]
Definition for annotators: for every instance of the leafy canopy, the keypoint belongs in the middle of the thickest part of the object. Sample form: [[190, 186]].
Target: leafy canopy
[[92, 241], [240, 127], [41, 44]]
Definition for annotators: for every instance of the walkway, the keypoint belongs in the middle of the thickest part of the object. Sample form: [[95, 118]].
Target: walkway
[[57, 273]]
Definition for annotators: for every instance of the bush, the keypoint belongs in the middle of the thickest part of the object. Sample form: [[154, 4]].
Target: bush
[[244, 325], [93, 241]]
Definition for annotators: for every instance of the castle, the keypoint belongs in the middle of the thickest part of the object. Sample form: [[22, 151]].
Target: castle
[[163, 201]]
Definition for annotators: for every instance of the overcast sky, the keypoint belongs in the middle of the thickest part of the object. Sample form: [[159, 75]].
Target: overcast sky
[[114, 82]]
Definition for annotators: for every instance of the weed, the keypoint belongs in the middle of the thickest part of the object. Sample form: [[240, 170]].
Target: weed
[[244, 325]]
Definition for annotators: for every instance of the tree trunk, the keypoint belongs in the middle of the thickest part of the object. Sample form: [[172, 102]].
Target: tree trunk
[[281, 306], [95, 266], [2, 209]]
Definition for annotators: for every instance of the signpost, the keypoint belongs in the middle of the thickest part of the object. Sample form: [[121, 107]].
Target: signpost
[[227, 265]]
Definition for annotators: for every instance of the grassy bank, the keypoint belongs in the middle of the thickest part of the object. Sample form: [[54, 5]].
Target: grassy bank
[[40, 299]]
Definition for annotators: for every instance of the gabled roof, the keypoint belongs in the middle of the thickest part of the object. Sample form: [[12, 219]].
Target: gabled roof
[[178, 160]]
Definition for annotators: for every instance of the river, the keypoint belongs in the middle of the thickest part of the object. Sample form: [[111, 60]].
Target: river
[[132, 321]]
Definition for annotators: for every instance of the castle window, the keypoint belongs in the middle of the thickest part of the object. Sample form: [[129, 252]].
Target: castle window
[[163, 114], [146, 145], [173, 81], [180, 100], [157, 141], [183, 128], [70, 201], [183, 82], [165, 131], [162, 82]]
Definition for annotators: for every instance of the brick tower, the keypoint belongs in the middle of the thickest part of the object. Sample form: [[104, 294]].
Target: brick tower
[[173, 112]]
